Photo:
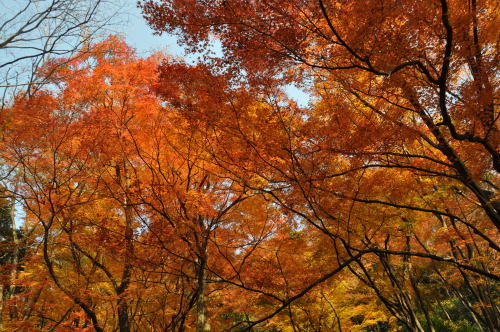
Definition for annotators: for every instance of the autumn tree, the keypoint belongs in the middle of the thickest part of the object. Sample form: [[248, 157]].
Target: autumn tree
[[133, 224], [402, 140], [71, 181]]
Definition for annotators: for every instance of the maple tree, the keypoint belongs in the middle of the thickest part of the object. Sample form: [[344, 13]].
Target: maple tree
[[429, 62], [116, 201], [414, 86]]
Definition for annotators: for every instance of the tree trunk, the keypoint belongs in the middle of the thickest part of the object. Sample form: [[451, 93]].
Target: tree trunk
[[15, 247], [1, 307], [123, 317], [202, 324]]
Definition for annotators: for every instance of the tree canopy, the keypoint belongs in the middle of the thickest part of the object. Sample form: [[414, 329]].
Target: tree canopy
[[164, 196]]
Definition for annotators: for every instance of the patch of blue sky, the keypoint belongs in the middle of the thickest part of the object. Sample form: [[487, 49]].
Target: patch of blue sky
[[301, 97], [141, 37]]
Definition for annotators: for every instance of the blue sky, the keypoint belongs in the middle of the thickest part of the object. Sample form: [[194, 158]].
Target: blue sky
[[141, 37]]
